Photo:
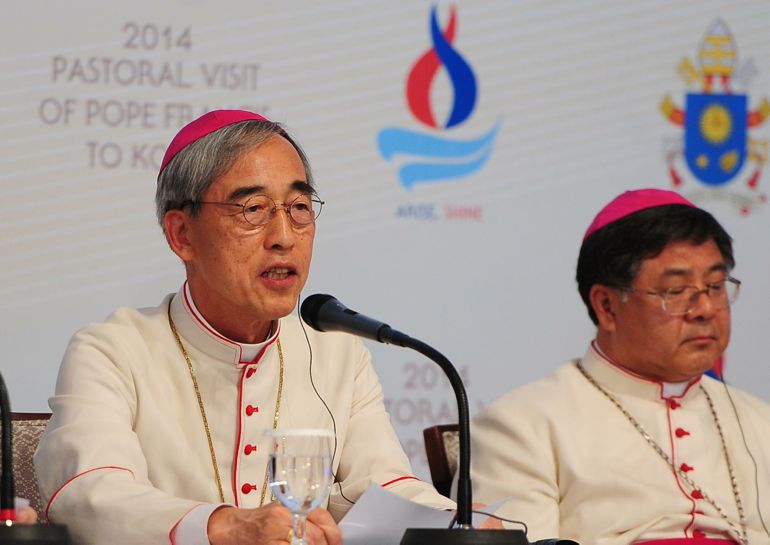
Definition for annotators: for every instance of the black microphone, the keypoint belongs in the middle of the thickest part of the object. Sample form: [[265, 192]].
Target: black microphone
[[7, 484], [323, 312]]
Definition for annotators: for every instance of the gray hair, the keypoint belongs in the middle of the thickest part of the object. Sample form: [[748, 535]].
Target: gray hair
[[194, 169]]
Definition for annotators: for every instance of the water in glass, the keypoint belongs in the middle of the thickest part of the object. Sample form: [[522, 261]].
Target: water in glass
[[300, 472]]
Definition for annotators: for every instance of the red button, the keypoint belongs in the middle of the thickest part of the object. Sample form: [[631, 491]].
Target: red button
[[674, 404], [697, 494], [249, 449], [681, 432], [246, 488], [251, 410], [250, 371], [698, 533], [686, 468]]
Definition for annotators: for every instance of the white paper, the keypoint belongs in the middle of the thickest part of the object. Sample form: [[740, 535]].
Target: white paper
[[380, 517]]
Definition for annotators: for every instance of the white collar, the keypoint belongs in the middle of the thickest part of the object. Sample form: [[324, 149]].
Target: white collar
[[613, 374], [192, 324]]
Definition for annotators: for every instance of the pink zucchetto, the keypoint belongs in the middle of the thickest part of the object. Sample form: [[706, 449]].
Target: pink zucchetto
[[205, 124], [631, 202]]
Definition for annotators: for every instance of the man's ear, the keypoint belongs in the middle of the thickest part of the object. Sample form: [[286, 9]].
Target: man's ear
[[176, 225], [604, 301]]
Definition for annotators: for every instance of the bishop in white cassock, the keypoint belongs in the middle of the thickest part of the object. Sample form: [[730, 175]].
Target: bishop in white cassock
[[157, 434], [633, 443]]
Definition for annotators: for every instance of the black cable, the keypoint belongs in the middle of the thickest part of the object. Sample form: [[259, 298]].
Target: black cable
[[494, 516], [748, 451], [328, 410]]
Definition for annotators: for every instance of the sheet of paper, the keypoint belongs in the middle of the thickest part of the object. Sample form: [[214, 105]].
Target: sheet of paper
[[380, 517]]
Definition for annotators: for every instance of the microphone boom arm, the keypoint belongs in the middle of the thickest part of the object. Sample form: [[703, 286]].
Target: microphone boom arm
[[464, 498], [323, 312]]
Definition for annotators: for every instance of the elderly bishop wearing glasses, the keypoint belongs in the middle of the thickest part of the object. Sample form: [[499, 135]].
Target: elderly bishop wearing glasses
[[159, 417], [633, 443]]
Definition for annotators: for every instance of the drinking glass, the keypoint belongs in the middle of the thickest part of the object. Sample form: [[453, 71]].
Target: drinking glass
[[300, 473]]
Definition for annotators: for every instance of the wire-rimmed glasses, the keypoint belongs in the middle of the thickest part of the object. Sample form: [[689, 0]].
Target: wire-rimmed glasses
[[681, 300], [258, 210]]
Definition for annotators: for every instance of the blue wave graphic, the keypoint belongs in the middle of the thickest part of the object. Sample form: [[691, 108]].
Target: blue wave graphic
[[460, 72], [465, 156], [405, 141]]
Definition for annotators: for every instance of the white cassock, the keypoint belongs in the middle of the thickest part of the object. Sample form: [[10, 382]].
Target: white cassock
[[575, 467], [125, 457]]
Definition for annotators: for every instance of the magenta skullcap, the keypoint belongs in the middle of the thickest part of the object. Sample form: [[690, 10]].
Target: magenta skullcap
[[633, 201], [205, 124]]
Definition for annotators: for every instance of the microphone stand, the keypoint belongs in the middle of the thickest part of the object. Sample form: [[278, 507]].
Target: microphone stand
[[464, 533], [323, 312], [10, 532]]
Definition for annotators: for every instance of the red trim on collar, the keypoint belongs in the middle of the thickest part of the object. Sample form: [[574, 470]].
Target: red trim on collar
[[203, 325], [598, 351], [693, 383], [221, 337], [260, 353]]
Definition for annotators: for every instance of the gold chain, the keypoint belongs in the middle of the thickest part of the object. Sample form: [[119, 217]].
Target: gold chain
[[733, 479], [276, 413], [742, 533]]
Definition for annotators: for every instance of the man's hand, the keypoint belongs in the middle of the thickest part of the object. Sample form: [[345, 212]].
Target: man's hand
[[269, 525], [26, 515], [320, 519], [490, 523]]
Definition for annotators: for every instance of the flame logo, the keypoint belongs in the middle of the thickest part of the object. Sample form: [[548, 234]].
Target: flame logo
[[438, 158], [423, 73]]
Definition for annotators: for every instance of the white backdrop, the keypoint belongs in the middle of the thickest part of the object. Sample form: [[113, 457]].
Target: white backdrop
[[90, 97]]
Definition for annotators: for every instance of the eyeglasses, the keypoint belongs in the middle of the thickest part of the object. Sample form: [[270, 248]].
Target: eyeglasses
[[681, 300], [260, 209]]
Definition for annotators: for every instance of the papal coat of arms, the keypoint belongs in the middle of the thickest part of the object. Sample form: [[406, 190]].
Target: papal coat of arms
[[723, 160]]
